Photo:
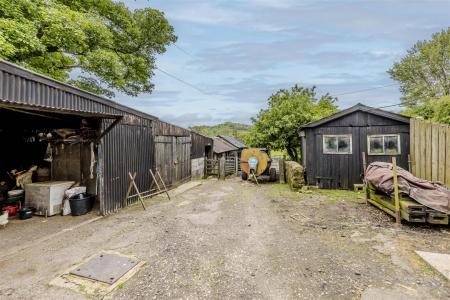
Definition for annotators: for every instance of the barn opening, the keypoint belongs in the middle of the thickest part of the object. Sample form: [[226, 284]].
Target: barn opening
[[43, 152]]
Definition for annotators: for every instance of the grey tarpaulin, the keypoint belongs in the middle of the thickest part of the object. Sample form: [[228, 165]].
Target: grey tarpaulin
[[431, 194]]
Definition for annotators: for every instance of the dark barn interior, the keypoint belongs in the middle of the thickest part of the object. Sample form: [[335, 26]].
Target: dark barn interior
[[59, 145]]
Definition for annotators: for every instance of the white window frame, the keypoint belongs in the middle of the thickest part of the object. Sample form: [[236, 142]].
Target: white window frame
[[397, 135], [337, 136]]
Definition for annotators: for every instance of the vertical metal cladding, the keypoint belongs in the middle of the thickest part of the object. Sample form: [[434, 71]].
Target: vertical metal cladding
[[126, 148]]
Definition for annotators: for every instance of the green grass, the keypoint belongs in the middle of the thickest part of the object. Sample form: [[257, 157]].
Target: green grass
[[282, 190]]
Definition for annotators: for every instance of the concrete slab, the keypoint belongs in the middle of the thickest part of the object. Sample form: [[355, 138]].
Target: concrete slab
[[439, 261]]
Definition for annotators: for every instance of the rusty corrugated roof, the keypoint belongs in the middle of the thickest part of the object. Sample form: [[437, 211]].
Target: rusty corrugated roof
[[221, 146], [233, 141]]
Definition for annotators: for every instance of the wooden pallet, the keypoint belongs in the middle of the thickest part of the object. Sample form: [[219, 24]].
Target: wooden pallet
[[410, 210]]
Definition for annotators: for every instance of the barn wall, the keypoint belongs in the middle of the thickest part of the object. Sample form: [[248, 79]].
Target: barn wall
[[199, 145], [347, 169]]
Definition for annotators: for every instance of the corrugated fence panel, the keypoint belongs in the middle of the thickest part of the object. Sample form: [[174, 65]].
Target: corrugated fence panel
[[126, 148], [430, 149]]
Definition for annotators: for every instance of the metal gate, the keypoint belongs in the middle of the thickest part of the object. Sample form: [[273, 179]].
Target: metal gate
[[173, 158], [212, 167]]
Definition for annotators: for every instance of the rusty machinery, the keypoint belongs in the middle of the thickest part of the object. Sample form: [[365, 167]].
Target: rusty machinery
[[256, 162]]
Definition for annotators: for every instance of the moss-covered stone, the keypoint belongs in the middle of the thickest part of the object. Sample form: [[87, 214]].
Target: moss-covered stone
[[294, 175]]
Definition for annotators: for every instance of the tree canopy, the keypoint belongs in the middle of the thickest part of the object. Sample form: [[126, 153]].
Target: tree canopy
[[277, 126], [99, 45], [424, 75]]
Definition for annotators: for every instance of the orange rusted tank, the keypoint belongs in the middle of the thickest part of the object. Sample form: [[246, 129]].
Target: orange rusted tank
[[256, 161]]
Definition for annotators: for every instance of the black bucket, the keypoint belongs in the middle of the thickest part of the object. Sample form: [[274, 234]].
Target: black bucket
[[81, 204]]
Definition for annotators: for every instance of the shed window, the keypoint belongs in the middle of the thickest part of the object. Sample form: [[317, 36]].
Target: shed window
[[337, 144], [384, 144]]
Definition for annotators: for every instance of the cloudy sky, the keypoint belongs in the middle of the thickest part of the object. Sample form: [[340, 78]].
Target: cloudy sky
[[237, 53]]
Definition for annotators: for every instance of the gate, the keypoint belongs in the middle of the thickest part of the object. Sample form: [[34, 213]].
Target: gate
[[212, 167], [231, 166], [173, 158]]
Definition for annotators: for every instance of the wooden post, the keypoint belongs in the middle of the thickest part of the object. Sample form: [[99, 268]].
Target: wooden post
[[129, 188], [164, 185], [222, 167], [137, 190], [409, 164], [236, 165], [397, 201], [366, 185], [205, 168], [281, 170]]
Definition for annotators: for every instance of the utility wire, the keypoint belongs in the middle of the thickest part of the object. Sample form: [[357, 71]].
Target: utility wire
[[182, 81], [184, 51], [369, 89]]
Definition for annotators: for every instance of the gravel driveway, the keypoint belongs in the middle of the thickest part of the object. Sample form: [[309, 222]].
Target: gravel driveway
[[230, 239]]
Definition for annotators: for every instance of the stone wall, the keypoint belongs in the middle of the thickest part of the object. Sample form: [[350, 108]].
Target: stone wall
[[198, 168], [294, 175]]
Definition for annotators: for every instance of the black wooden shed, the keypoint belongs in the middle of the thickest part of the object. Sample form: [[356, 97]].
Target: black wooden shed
[[332, 147]]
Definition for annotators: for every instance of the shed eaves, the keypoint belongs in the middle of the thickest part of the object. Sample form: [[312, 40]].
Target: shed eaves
[[358, 107]]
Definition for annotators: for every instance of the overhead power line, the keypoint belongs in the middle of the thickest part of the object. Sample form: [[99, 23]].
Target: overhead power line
[[184, 51], [182, 81], [369, 89]]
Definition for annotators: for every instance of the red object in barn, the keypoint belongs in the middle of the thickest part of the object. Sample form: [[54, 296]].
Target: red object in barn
[[11, 209]]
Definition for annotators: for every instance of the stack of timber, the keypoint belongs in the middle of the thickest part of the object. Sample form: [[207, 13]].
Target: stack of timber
[[410, 210]]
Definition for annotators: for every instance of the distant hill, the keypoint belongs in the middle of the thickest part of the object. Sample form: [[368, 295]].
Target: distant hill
[[237, 130]]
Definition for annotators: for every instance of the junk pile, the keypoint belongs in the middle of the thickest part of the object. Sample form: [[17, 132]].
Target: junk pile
[[47, 198], [421, 201]]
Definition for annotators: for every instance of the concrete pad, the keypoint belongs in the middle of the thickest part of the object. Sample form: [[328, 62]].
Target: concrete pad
[[439, 261], [184, 187]]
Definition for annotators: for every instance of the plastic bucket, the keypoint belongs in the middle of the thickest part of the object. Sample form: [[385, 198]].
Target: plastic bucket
[[81, 204]]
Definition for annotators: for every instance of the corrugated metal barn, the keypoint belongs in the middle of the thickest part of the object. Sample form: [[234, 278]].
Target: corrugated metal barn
[[332, 147], [112, 139]]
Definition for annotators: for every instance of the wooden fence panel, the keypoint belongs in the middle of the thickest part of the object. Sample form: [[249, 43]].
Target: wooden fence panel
[[430, 150]]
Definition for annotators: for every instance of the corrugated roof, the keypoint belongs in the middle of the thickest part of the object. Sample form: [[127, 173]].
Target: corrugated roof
[[220, 146], [358, 107], [234, 141], [24, 87]]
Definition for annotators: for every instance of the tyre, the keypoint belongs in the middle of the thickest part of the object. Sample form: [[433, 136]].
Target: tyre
[[272, 174], [244, 176]]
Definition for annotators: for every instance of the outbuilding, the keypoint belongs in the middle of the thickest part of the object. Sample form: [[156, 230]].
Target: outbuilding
[[68, 134], [332, 148], [228, 147]]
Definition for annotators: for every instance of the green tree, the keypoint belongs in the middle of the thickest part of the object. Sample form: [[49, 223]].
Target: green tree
[[277, 126], [99, 45], [424, 74]]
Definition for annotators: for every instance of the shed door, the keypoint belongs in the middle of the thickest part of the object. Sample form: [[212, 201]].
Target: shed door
[[172, 156], [182, 158]]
